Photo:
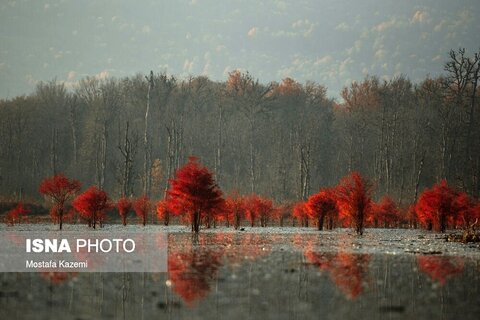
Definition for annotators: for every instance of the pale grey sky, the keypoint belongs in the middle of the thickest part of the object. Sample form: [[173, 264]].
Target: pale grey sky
[[331, 42]]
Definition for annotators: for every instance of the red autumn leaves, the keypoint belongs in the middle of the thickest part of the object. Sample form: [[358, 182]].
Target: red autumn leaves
[[195, 196], [442, 205], [92, 205], [59, 189]]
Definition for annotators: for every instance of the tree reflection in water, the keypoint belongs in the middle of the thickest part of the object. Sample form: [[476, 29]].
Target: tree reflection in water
[[440, 268], [347, 271], [192, 270], [193, 266], [57, 278]]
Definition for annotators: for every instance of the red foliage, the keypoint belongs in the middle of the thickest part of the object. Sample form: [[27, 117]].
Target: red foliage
[[234, 209], [92, 205], [124, 205], [191, 273], [142, 207], [354, 200], [473, 214], [411, 216], [280, 212], [322, 205], [193, 192], [257, 207], [440, 206], [13, 216], [60, 189], [347, 271], [469, 211], [440, 269], [385, 213], [300, 213], [163, 212]]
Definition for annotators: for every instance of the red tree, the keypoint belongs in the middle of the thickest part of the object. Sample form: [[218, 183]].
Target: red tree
[[469, 211], [14, 214], [163, 212], [264, 207], [411, 216], [249, 207], [235, 209], [92, 205], [258, 207], [385, 213], [193, 192], [321, 205], [281, 211], [142, 207], [439, 206], [60, 189], [300, 213], [354, 200], [124, 205]]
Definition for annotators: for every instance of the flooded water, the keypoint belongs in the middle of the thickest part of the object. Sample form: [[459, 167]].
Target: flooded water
[[271, 273]]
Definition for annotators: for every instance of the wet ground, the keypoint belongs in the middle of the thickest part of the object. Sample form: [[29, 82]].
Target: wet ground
[[266, 273]]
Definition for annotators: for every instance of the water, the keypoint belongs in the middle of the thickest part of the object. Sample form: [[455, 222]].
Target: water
[[267, 273]]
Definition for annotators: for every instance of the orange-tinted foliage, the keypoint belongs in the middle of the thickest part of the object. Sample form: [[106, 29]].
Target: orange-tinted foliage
[[322, 205], [193, 192], [257, 207], [142, 207], [163, 212], [60, 189], [354, 200], [92, 205], [124, 206], [279, 212], [384, 214], [440, 269], [300, 213], [234, 209], [289, 87]]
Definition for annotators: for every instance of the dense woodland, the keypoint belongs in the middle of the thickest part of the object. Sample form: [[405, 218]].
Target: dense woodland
[[281, 140]]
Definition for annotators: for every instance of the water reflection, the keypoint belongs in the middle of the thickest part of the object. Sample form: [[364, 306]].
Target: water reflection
[[442, 268], [192, 271], [256, 276], [346, 270], [193, 265], [57, 278]]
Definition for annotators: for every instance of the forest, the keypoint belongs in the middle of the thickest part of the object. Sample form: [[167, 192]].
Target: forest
[[286, 140]]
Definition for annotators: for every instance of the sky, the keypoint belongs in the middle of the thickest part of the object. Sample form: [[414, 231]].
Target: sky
[[331, 42]]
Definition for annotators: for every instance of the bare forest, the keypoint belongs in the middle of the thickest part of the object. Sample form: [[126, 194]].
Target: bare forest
[[284, 140]]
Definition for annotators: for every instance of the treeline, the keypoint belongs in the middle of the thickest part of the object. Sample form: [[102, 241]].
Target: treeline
[[283, 140]]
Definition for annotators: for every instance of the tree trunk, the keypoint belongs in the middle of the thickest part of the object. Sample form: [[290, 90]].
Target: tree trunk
[[53, 151], [196, 222], [60, 217], [146, 163]]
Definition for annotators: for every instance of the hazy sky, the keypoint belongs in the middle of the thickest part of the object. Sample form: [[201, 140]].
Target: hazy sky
[[330, 42]]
